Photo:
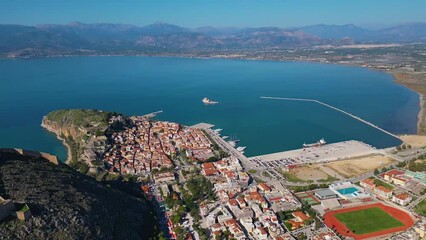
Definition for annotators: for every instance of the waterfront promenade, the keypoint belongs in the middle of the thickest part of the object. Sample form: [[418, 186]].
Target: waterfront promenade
[[334, 108]]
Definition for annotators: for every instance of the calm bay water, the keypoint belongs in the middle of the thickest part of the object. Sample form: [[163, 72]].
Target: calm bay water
[[140, 85]]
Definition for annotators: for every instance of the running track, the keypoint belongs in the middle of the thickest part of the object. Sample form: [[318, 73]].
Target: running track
[[400, 215]]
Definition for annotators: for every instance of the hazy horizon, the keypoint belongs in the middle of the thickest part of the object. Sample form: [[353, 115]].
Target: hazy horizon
[[366, 26], [219, 14]]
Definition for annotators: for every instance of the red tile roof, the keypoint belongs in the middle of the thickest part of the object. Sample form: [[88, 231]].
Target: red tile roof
[[393, 172], [402, 196], [368, 181], [207, 165], [300, 215], [233, 202], [383, 189], [264, 187]]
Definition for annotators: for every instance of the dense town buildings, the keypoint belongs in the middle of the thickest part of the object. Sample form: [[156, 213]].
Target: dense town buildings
[[148, 145]]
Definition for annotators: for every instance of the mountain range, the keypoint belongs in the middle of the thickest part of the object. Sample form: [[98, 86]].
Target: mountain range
[[104, 38]]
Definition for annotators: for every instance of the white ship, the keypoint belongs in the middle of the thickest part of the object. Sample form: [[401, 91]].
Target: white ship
[[232, 143], [217, 131], [241, 149], [225, 137], [208, 101], [317, 144]]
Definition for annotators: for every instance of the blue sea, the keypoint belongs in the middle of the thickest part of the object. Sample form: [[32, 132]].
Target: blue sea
[[140, 85]]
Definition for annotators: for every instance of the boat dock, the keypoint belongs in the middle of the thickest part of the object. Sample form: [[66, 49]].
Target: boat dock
[[203, 126], [336, 109], [325, 153]]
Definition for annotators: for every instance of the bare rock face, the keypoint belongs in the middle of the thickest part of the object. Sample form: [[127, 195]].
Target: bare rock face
[[68, 205]]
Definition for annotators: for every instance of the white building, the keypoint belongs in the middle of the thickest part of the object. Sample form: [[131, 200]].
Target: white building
[[402, 199]]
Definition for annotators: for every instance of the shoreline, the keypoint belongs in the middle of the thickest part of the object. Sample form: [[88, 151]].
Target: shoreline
[[409, 81], [66, 145], [405, 79], [421, 114]]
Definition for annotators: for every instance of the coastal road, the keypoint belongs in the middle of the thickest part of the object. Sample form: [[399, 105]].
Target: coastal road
[[231, 150]]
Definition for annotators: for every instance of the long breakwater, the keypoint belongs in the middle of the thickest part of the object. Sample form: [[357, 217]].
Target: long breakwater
[[334, 108]]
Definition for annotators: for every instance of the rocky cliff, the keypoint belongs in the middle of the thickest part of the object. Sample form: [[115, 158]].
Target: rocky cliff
[[68, 205], [80, 131]]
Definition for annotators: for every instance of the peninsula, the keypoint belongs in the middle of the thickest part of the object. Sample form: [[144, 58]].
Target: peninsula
[[203, 187]]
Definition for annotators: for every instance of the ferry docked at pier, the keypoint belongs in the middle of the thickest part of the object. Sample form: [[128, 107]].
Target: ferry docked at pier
[[317, 144]]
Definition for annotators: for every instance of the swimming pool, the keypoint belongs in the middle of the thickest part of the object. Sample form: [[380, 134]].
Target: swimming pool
[[347, 191]]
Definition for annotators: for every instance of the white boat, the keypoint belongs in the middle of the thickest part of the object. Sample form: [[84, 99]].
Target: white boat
[[208, 101], [225, 137], [232, 143], [317, 144], [241, 149]]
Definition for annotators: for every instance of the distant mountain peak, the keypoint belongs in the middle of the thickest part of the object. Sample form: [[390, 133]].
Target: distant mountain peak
[[76, 23]]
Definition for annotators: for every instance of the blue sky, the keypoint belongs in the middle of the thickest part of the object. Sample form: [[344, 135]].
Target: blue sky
[[219, 13]]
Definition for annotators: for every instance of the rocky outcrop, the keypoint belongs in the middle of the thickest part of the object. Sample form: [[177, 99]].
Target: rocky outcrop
[[79, 130], [61, 129], [68, 205]]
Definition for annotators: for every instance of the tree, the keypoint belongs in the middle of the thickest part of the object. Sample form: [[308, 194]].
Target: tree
[[317, 223], [376, 171], [160, 236]]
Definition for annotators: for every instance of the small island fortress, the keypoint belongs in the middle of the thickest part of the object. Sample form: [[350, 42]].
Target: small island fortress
[[208, 101]]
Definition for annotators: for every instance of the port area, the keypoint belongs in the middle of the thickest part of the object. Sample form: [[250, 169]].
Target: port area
[[319, 154], [202, 125]]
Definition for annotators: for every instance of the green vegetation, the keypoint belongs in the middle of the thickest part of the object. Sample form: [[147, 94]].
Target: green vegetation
[[266, 174], [308, 187], [379, 182], [284, 216], [24, 208], [301, 236], [224, 235], [218, 151], [75, 151], [401, 164], [201, 188], [328, 179], [418, 165], [403, 147], [80, 117], [421, 208], [367, 220], [258, 180], [291, 177], [252, 171]]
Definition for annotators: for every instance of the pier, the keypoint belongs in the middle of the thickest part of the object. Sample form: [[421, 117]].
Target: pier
[[153, 114], [334, 108]]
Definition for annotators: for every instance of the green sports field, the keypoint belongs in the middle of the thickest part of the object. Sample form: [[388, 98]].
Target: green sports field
[[367, 220]]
